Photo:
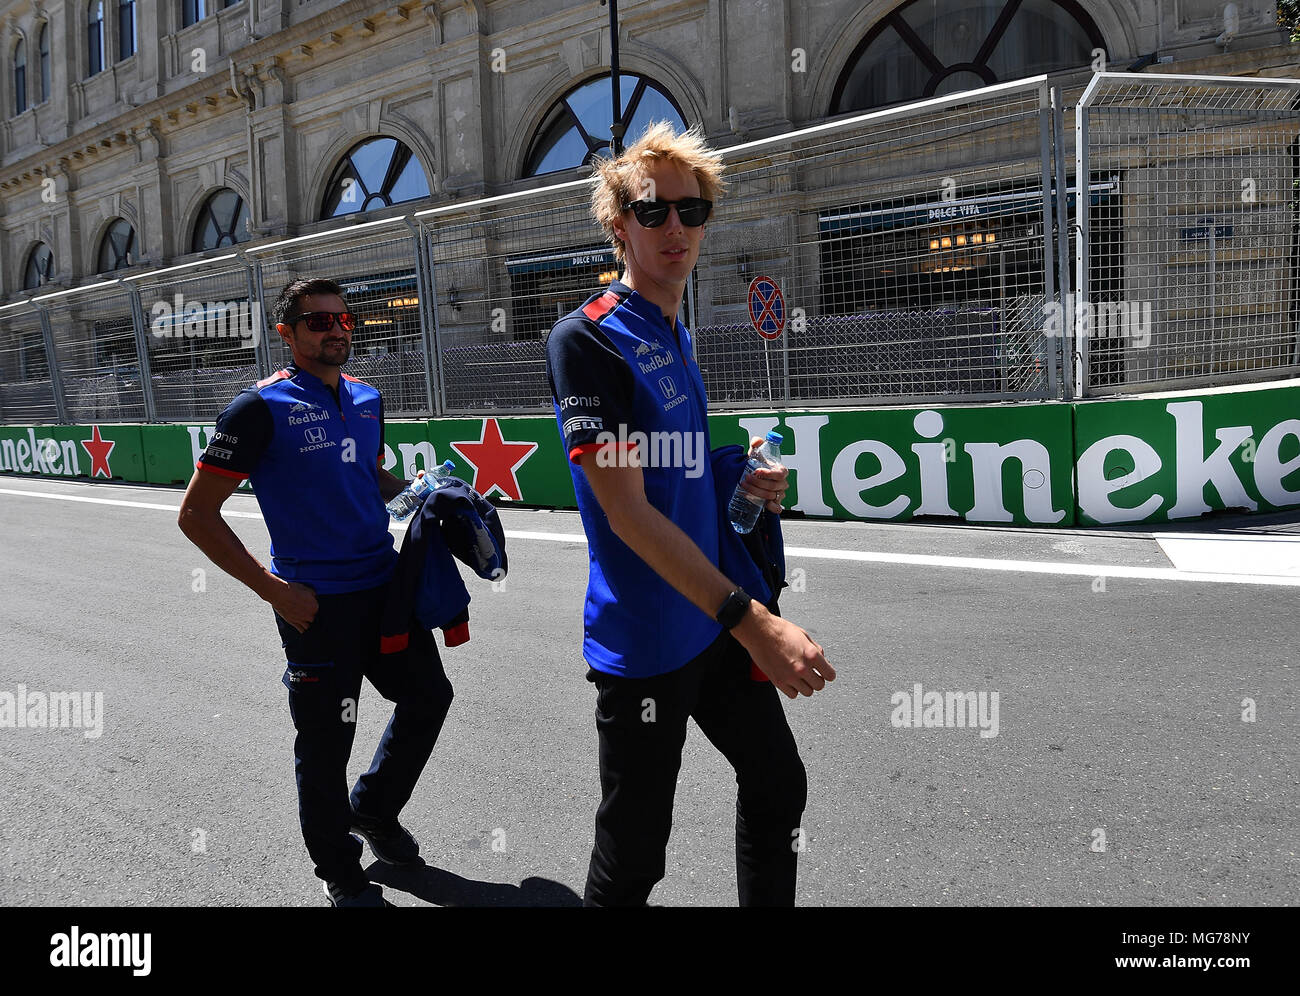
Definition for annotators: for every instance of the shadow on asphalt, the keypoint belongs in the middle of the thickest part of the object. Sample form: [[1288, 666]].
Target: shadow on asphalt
[[444, 888]]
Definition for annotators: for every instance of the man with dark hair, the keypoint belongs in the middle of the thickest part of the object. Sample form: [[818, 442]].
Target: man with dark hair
[[307, 438]]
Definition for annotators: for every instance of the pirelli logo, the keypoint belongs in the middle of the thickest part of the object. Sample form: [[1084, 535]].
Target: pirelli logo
[[580, 422]]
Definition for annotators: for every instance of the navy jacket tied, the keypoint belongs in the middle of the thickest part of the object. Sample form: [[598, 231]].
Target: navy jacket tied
[[426, 588]]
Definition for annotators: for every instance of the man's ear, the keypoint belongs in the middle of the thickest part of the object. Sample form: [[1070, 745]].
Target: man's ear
[[281, 328]]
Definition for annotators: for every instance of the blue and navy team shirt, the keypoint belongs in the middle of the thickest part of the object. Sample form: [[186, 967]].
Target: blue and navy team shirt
[[616, 361], [310, 456]]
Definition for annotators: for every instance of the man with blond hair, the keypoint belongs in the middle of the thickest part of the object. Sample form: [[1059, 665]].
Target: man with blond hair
[[667, 634]]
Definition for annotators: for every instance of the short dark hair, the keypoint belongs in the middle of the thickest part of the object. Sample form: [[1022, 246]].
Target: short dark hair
[[285, 309]]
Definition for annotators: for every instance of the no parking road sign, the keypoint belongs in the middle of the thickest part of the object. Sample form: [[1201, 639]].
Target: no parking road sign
[[766, 307]]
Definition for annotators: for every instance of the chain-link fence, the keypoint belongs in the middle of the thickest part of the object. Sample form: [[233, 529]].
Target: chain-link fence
[[911, 253], [502, 272], [1191, 279], [27, 392], [380, 269], [950, 250]]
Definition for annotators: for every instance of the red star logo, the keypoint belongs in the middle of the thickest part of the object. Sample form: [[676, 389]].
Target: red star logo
[[99, 449], [495, 461]]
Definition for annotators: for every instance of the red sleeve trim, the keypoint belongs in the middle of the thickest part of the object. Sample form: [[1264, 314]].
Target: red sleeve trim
[[578, 452], [222, 471], [393, 644], [454, 636]]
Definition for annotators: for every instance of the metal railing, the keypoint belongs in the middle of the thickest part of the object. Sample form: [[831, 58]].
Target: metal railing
[[921, 253], [1191, 278]]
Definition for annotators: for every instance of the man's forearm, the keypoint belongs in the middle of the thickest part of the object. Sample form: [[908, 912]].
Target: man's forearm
[[389, 486], [221, 546], [674, 556]]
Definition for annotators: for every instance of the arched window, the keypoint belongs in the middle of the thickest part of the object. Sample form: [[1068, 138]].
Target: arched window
[[223, 221], [117, 251], [576, 129], [375, 174], [44, 43], [928, 48], [40, 267], [20, 77], [125, 28], [193, 11], [95, 37]]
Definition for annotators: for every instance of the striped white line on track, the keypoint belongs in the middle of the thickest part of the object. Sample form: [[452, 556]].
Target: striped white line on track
[[816, 553]]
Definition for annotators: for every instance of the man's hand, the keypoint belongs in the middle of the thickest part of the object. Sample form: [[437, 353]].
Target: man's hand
[[296, 604], [770, 485], [783, 652]]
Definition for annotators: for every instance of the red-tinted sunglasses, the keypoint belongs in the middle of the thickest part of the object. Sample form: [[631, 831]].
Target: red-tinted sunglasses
[[323, 321]]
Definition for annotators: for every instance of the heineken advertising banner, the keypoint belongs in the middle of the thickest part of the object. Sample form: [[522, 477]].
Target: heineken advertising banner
[[1158, 460], [1043, 464], [101, 450]]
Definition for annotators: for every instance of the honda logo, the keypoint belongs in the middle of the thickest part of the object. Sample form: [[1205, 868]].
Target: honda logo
[[668, 387], [316, 434]]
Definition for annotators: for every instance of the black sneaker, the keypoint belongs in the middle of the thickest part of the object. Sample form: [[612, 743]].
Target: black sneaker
[[389, 842], [371, 895]]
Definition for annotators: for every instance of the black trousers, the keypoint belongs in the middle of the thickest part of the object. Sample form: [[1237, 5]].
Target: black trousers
[[325, 667], [641, 724]]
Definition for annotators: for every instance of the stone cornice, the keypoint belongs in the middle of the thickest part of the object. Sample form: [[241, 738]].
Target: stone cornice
[[329, 30]]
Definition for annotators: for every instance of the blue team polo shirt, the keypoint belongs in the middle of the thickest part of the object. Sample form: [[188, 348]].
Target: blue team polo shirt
[[617, 366], [311, 458]]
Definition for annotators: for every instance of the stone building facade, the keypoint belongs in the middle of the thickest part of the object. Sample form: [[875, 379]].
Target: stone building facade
[[126, 119]]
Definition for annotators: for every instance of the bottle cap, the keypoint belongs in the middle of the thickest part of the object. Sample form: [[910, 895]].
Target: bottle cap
[[774, 437]]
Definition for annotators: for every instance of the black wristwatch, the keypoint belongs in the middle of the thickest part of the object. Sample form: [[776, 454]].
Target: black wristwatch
[[733, 609]]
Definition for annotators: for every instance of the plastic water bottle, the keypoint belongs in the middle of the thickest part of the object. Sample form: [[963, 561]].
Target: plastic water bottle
[[413, 495], [745, 509]]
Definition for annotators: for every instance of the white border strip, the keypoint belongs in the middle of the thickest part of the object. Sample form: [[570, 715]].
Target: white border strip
[[817, 553]]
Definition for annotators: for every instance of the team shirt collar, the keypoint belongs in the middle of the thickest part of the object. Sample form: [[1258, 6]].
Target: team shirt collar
[[644, 307]]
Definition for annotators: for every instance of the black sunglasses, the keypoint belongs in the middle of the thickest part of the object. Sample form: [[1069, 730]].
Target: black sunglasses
[[323, 321], [693, 211]]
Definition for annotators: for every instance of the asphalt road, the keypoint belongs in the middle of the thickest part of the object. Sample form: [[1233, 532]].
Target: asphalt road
[[1122, 772]]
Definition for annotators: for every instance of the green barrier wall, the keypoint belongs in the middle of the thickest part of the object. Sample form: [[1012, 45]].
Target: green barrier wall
[[1163, 459], [103, 451], [1048, 464]]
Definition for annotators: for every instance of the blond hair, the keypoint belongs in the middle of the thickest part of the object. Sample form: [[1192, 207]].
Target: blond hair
[[621, 178]]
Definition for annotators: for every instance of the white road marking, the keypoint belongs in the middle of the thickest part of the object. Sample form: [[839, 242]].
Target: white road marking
[[1040, 567], [1287, 558], [1278, 556]]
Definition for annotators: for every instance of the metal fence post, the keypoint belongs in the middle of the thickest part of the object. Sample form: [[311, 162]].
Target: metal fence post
[[1082, 290], [51, 357], [256, 298], [423, 284], [433, 350], [141, 349], [1049, 263], [1065, 343]]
